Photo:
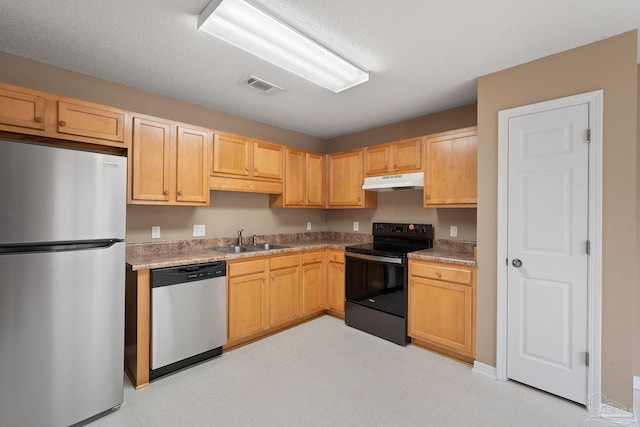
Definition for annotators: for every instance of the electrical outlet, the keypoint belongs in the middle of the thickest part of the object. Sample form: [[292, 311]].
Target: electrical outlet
[[309, 226], [356, 226], [453, 231], [199, 230], [155, 232]]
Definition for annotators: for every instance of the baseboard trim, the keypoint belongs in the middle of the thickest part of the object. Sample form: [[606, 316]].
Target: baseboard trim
[[484, 369], [636, 383]]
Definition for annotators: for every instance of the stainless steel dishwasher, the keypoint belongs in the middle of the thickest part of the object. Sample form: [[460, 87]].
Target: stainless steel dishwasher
[[188, 315]]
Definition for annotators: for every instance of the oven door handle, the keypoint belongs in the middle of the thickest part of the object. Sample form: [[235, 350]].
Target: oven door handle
[[389, 260]]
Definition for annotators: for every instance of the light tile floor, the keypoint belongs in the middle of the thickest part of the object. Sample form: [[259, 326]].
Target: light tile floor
[[323, 373]]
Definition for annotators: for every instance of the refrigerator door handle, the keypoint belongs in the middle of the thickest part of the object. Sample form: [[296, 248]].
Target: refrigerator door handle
[[57, 246]]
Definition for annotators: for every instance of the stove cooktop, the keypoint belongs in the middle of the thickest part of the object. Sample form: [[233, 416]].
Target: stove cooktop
[[396, 239]]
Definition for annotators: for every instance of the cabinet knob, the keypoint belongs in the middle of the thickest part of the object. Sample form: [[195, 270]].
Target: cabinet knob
[[165, 192], [179, 193], [255, 170], [359, 199], [427, 197], [301, 200], [273, 277], [386, 168], [438, 274], [395, 167], [38, 119], [314, 258], [246, 168], [62, 123]]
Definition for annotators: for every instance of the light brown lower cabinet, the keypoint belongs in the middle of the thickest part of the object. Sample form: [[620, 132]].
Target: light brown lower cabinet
[[284, 289], [442, 306], [335, 282], [313, 282], [247, 297]]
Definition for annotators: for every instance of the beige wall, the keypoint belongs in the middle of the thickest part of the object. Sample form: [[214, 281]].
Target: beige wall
[[455, 118], [227, 213], [39, 76], [405, 206], [609, 65]]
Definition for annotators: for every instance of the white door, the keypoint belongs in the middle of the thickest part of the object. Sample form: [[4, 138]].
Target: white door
[[547, 274]]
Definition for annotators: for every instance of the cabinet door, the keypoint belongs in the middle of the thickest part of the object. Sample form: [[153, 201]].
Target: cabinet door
[[315, 180], [151, 160], [230, 155], [101, 123], [247, 311], [294, 181], [22, 109], [376, 160], [407, 156], [345, 179], [284, 295], [192, 183], [441, 313], [451, 172], [267, 160], [313, 290], [335, 264]]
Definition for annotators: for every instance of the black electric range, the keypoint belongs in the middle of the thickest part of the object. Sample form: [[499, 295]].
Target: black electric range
[[376, 276]]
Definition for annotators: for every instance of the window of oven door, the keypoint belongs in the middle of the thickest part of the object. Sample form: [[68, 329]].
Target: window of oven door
[[377, 284]]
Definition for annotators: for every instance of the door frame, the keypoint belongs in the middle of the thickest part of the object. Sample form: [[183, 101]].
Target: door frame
[[594, 310]]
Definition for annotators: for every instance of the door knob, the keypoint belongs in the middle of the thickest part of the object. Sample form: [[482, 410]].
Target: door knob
[[516, 263]]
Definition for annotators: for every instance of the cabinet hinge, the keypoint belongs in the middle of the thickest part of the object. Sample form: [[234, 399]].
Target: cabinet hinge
[[588, 136], [586, 358], [588, 247]]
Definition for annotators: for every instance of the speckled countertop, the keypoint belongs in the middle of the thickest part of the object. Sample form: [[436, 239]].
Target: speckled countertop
[[146, 256], [452, 251]]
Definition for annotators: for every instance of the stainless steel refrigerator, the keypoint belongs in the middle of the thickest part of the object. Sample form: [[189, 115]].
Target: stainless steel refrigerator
[[62, 273]]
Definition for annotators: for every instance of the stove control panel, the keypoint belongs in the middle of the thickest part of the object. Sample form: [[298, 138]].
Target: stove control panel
[[405, 231]]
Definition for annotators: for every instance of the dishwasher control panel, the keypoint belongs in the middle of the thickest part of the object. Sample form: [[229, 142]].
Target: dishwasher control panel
[[189, 273]]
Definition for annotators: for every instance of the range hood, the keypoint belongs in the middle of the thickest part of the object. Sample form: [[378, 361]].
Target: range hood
[[404, 181]]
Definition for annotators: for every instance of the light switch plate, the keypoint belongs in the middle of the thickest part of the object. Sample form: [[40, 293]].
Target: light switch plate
[[453, 231], [199, 230], [155, 232], [356, 226], [309, 226]]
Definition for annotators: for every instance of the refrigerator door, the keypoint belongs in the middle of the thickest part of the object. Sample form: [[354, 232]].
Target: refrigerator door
[[61, 335], [56, 194]]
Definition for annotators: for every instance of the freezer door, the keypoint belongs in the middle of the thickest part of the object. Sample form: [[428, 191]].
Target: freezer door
[[61, 335], [57, 194]]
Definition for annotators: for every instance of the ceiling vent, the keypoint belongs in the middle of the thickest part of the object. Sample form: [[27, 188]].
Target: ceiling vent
[[261, 85]]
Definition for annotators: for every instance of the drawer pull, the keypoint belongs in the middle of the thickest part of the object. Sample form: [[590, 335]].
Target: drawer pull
[[62, 123]]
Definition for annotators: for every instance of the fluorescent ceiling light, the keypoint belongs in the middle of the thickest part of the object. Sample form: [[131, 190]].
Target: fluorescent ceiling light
[[251, 29]]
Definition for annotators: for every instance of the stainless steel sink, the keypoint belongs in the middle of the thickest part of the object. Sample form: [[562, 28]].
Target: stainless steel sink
[[232, 249], [235, 249], [265, 247]]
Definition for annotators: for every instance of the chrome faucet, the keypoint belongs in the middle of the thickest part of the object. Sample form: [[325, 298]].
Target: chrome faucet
[[255, 240], [240, 236]]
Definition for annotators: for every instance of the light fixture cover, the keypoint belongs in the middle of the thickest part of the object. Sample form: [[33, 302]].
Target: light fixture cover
[[247, 27]]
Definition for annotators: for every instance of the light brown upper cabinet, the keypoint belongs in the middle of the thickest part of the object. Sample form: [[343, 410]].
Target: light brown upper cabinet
[[397, 157], [345, 181], [38, 113], [304, 177], [243, 164], [451, 171], [168, 163]]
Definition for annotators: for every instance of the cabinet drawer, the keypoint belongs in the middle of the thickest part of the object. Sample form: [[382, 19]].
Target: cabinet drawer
[[336, 255], [284, 261], [247, 267], [441, 272], [312, 257]]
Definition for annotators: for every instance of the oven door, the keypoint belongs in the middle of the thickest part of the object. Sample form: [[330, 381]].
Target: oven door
[[378, 282]]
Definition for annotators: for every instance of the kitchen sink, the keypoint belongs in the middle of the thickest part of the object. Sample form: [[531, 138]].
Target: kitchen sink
[[235, 249], [265, 247]]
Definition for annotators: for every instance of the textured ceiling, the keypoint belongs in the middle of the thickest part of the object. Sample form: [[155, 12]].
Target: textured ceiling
[[423, 55]]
